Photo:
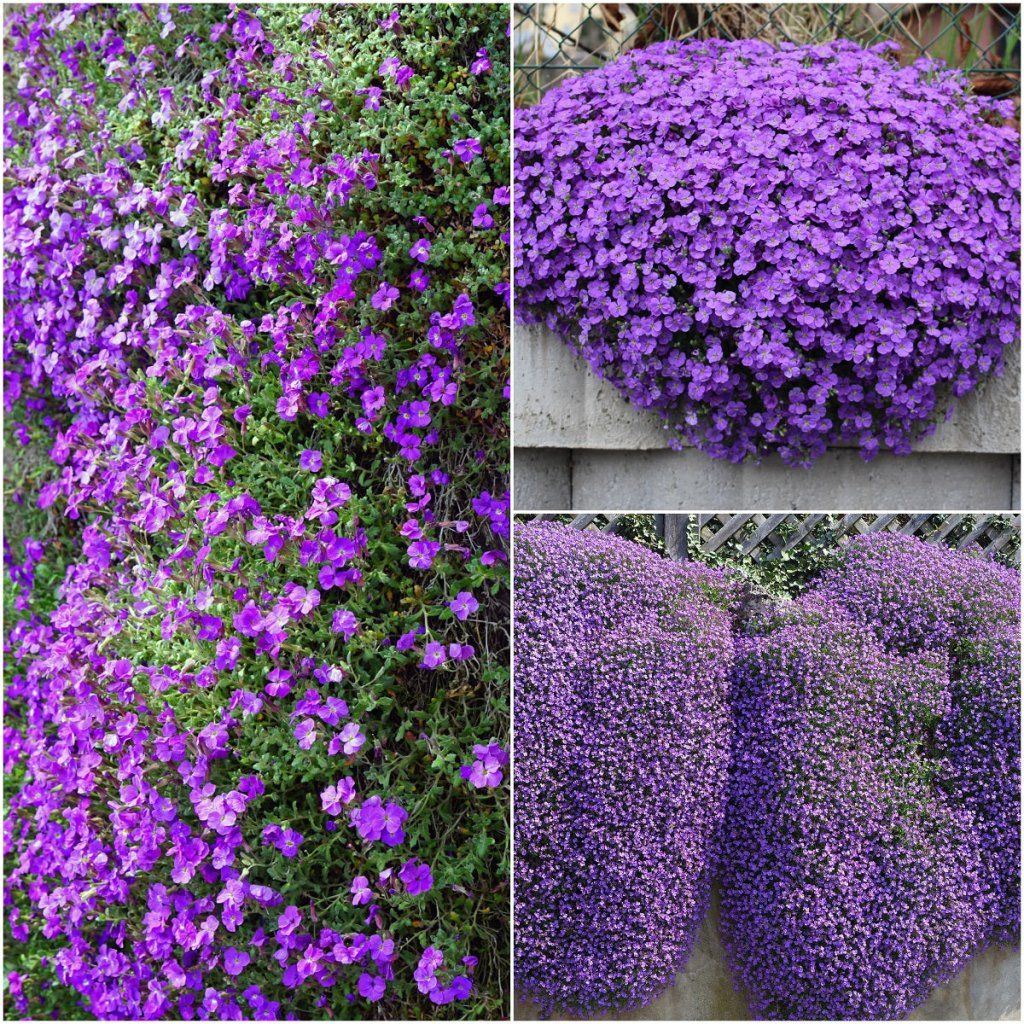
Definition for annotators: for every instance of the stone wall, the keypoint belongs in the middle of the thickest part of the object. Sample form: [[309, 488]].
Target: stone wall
[[988, 988], [579, 445]]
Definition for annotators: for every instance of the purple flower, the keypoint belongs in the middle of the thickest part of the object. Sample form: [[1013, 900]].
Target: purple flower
[[234, 961], [361, 891], [482, 217], [463, 605], [305, 733], [467, 150], [311, 460], [248, 621], [374, 820], [482, 64], [422, 553], [416, 877], [351, 739], [334, 797], [371, 987], [289, 921], [434, 655], [385, 296], [289, 842], [420, 250], [486, 771], [344, 621]]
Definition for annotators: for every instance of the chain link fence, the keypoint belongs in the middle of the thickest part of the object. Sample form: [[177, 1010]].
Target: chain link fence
[[556, 40]]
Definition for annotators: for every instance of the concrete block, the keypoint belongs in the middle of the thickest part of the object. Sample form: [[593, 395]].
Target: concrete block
[[703, 990], [542, 479], [988, 988], [558, 402], [667, 480]]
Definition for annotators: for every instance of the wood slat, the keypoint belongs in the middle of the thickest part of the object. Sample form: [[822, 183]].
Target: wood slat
[[980, 529], [675, 538], [912, 525], [809, 523], [1002, 540], [950, 524], [880, 524], [764, 541], [848, 523], [732, 525], [762, 533]]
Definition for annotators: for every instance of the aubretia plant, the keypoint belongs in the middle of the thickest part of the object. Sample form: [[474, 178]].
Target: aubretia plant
[[872, 843], [776, 250], [622, 742], [255, 340], [919, 597], [845, 766]]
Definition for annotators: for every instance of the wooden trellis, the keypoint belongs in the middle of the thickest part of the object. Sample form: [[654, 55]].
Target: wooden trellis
[[764, 537]]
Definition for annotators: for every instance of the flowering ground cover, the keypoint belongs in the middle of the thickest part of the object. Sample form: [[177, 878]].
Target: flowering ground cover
[[622, 739], [857, 754], [256, 347], [777, 250]]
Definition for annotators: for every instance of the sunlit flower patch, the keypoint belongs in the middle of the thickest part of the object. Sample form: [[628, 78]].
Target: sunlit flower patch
[[255, 339]]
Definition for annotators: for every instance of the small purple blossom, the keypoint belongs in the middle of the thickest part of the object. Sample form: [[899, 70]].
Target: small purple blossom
[[463, 605], [416, 877], [467, 150]]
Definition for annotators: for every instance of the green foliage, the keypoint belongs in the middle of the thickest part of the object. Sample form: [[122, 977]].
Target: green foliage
[[420, 725]]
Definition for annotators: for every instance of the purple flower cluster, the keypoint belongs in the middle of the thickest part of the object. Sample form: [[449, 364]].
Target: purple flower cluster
[[919, 597], [239, 402], [622, 739], [777, 250], [872, 835]]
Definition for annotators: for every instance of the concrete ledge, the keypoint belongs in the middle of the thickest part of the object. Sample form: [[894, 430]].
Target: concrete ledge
[[988, 988], [651, 480], [558, 402]]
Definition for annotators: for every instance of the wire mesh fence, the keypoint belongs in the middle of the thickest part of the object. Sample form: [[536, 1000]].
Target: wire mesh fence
[[556, 40]]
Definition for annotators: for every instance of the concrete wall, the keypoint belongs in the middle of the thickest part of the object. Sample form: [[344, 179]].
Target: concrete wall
[[579, 445], [987, 989]]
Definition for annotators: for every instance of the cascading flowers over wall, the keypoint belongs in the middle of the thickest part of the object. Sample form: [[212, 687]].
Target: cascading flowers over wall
[[777, 250], [256, 344], [856, 752], [622, 740]]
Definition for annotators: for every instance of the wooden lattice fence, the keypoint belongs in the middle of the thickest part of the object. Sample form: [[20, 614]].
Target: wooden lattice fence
[[765, 537]]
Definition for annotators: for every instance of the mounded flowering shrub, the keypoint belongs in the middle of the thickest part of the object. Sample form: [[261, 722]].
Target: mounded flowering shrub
[[255, 340], [622, 735], [777, 250], [851, 883], [921, 597], [872, 843]]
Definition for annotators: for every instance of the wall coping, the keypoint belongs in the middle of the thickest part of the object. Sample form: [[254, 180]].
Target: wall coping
[[558, 402]]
